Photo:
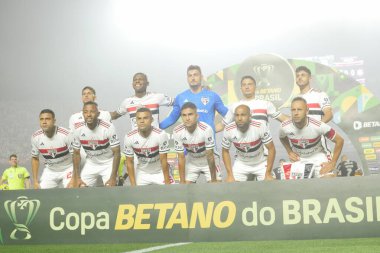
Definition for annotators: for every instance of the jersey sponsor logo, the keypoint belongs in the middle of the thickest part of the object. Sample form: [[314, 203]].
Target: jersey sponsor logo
[[205, 100]]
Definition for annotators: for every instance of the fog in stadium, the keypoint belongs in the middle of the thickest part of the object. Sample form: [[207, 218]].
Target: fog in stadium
[[49, 50]]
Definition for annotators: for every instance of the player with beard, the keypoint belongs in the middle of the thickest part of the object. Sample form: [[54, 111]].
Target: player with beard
[[302, 138], [101, 144], [249, 137], [150, 145]]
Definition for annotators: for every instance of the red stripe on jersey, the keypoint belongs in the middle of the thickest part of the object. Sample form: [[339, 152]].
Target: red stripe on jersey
[[132, 133], [314, 121], [201, 144], [62, 131], [150, 149], [264, 111], [179, 128], [45, 151], [103, 123], [255, 123], [150, 106], [287, 122], [79, 124], [331, 134], [230, 127], [202, 126], [39, 132], [156, 130], [310, 141], [100, 142], [313, 105], [252, 143]]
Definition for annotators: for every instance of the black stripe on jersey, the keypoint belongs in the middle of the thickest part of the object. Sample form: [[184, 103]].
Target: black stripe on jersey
[[98, 147], [56, 156], [155, 111], [249, 150], [198, 151], [308, 146], [312, 112], [150, 155], [260, 117]]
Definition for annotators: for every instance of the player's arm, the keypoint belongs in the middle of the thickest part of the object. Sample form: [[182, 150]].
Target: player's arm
[[115, 115], [228, 164], [327, 114], [219, 106], [1, 181], [293, 157], [35, 167], [181, 167], [330, 166], [26, 182], [270, 160], [76, 181], [219, 127], [165, 167], [211, 164], [173, 116], [115, 166], [131, 170]]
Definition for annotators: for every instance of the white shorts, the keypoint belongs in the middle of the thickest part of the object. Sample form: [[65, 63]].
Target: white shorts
[[316, 159], [144, 178], [241, 171], [193, 172], [55, 179], [91, 172]]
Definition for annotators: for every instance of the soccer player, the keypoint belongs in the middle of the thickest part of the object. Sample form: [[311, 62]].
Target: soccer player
[[260, 109], [53, 143], [248, 136], [151, 146], [17, 177], [88, 94], [198, 140], [102, 146], [206, 101], [347, 168], [317, 101], [142, 98], [302, 139]]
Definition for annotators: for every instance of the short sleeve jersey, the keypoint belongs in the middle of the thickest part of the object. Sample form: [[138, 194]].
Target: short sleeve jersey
[[249, 145], [55, 150], [307, 141], [16, 177], [195, 143], [77, 118], [148, 149], [316, 101], [260, 110], [151, 100], [97, 143]]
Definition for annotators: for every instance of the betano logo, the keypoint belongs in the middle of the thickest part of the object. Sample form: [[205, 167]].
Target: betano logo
[[21, 212]]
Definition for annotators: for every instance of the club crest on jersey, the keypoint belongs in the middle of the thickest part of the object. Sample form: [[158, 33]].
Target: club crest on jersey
[[303, 143], [145, 151], [205, 100], [52, 152], [93, 144], [245, 147]]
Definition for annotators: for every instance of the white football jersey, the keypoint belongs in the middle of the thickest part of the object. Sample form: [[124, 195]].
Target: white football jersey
[[147, 150], [97, 143], [55, 150], [195, 143], [307, 141], [77, 118], [316, 101], [260, 110], [151, 100], [249, 145]]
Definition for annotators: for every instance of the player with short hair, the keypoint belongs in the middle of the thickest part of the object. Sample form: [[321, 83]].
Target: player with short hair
[[150, 145], [249, 137], [53, 143], [102, 146], [302, 139], [88, 94], [197, 138], [206, 101], [348, 168], [317, 101], [17, 177], [142, 98], [260, 109]]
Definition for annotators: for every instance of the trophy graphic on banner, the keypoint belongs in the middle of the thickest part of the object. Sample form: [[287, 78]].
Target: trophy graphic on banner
[[21, 212], [263, 71]]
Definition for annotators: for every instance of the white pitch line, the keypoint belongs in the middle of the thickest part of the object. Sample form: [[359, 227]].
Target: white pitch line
[[158, 247]]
